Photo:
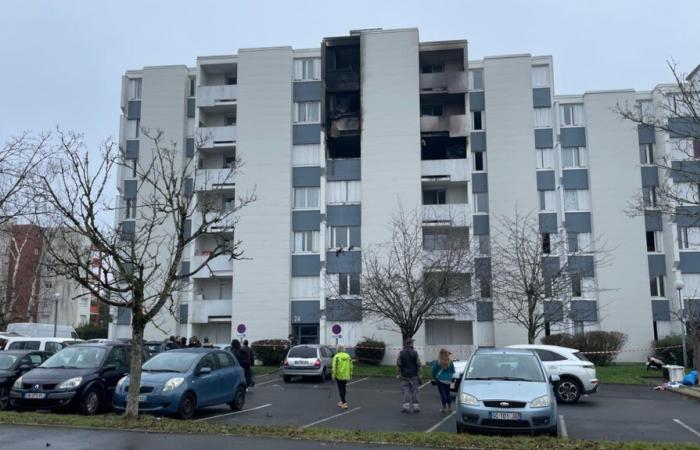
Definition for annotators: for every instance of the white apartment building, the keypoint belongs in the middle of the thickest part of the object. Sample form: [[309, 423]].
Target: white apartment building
[[334, 139]]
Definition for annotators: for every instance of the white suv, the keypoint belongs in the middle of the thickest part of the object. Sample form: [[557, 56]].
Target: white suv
[[576, 373]]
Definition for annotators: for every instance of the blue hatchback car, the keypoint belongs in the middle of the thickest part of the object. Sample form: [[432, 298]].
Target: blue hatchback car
[[177, 382]]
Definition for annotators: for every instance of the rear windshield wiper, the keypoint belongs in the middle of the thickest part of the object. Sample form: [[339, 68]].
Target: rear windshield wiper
[[161, 370], [511, 379]]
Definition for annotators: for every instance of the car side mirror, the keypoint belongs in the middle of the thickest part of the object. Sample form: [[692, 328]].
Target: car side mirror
[[109, 368], [204, 371], [554, 378], [25, 367]]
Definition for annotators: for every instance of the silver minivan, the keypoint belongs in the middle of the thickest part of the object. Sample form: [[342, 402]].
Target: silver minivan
[[309, 360]]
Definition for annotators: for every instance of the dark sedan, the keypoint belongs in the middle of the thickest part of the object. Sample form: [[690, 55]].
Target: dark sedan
[[81, 377], [13, 364]]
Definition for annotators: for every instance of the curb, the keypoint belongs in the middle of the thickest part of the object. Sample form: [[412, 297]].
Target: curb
[[687, 392]]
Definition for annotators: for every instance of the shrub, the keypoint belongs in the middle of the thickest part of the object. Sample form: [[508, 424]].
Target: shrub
[[370, 351], [271, 352], [592, 341], [673, 355], [91, 332]]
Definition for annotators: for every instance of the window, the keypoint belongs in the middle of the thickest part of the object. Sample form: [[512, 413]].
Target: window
[[225, 360], [432, 68], [578, 327], [431, 110], [307, 112], [349, 284], [548, 200], [545, 158], [117, 357], [576, 285], [572, 115], [193, 87], [576, 200], [588, 287], [339, 192], [435, 238], [231, 80], [546, 244], [134, 88], [229, 120], [540, 76], [306, 155], [478, 120], [52, 347], [132, 129], [543, 117], [646, 153], [343, 237], [130, 208], [574, 157], [649, 197], [207, 361], [305, 287], [435, 197], [645, 110], [476, 80], [655, 241], [306, 241], [479, 162], [134, 164], [481, 202], [656, 286], [689, 238], [578, 242], [484, 288], [484, 244], [306, 198], [546, 355], [307, 69]]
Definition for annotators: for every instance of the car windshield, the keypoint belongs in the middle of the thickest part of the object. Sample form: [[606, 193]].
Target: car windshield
[[303, 351], [76, 358], [171, 362], [7, 361], [504, 366]]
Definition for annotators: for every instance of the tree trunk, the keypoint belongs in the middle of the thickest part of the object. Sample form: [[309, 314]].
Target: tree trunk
[[132, 401], [695, 340], [530, 335]]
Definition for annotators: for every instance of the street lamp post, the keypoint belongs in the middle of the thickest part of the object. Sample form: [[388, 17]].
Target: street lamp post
[[679, 288], [56, 298]]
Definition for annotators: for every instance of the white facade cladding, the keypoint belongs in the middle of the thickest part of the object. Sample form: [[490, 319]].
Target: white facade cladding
[[334, 140]]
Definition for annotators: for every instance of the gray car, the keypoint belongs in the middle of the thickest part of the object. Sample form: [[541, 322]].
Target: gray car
[[310, 360], [506, 390]]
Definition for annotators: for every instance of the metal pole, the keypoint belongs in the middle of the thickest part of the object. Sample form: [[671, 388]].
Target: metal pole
[[55, 315], [682, 312]]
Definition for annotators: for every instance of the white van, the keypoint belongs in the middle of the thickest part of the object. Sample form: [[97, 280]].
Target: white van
[[42, 330], [50, 345]]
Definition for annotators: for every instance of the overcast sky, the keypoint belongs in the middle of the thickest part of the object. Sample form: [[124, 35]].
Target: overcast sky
[[62, 61]]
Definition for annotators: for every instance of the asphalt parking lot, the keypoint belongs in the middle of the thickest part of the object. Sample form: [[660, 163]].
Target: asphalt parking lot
[[617, 412]]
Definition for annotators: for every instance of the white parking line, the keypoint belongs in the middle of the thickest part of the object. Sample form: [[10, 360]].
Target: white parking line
[[265, 382], [563, 432], [435, 427], [328, 418], [424, 385], [357, 381], [692, 430], [235, 412]]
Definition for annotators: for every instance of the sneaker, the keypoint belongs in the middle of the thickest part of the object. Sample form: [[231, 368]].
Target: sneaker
[[340, 404], [405, 411], [344, 406]]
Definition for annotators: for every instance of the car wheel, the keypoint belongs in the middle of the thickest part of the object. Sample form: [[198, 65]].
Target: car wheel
[[4, 398], [567, 390], [553, 431], [188, 405], [287, 378], [238, 399], [90, 403]]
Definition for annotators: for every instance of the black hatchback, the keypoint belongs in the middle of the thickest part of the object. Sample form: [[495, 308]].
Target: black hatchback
[[13, 364], [81, 377]]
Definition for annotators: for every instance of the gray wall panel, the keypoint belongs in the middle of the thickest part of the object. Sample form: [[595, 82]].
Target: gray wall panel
[[480, 182], [134, 109], [541, 98], [184, 310], [660, 310], [190, 107], [306, 311], [339, 215], [478, 141], [689, 262], [687, 216], [650, 176], [578, 222], [553, 311], [585, 310], [307, 91], [682, 127], [345, 262], [476, 101], [482, 267], [484, 311], [645, 134], [581, 264], [130, 188], [657, 265], [356, 236], [185, 267], [575, 179], [344, 309], [550, 266], [306, 220], [548, 222], [306, 134], [123, 316], [544, 138], [132, 149], [573, 137], [481, 224], [545, 180], [343, 169], [306, 265], [685, 171], [189, 147], [306, 176], [652, 221]]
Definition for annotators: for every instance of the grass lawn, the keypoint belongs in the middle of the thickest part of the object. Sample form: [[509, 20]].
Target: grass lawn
[[627, 373], [407, 439]]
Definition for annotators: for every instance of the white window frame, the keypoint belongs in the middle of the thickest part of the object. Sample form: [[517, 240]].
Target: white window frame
[[483, 162], [308, 155], [543, 118], [471, 80], [347, 188], [132, 128], [307, 69], [660, 282], [648, 151], [580, 199], [305, 242], [481, 202], [588, 287], [305, 193], [548, 200], [689, 238], [307, 112], [575, 112], [540, 76], [579, 157], [130, 208], [333, 237], [653, 202], [135, 88], [305, 288], [483, 120], [545, 158]]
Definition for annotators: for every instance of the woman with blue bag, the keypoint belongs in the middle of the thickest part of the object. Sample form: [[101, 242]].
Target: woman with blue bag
[[442, 371]]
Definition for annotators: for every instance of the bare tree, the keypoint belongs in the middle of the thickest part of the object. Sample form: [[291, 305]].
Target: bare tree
[[676, 113], [140, 261], [416, 275], [536, 274]]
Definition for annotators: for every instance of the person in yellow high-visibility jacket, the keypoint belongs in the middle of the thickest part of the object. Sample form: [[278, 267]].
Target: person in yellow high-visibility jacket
[[342, 373]]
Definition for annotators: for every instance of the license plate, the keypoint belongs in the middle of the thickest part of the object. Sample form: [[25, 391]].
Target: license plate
[[35, 395], [505, 415], [142, 398], [301, 363]]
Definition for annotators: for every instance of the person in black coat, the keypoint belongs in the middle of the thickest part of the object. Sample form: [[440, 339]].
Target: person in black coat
[[247, 360]]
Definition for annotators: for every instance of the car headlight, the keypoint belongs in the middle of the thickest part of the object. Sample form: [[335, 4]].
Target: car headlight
[[173, 384], [468, 399], [122, 381], [18, 383], [540, 402], [70, 383]]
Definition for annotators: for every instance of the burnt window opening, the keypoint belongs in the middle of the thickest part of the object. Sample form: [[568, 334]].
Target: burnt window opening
[[443, 147], [343, 147], [344, 58]]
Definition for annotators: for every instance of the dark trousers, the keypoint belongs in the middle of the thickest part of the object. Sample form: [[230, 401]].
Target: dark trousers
[[444, 390], [341, 389], [248, 372]]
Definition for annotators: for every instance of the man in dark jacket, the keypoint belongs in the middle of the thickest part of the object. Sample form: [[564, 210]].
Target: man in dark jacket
[[408, 371], [246, 360]]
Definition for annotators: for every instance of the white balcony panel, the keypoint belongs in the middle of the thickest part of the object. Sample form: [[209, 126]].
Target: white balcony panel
[[459, 125], [211, 96], [458, 214], [432, 124], [203, 309], [221, 266], [453, 82], [214, 179], [454, 169], [217, 136]]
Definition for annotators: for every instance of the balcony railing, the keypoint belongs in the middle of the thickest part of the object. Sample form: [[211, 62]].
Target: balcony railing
[[221, 95], [217, 136], [457, 214], [452, 82], [457, 124], [203, 309], [454, 169], [214, 180], [225, 225], [221, 266]]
